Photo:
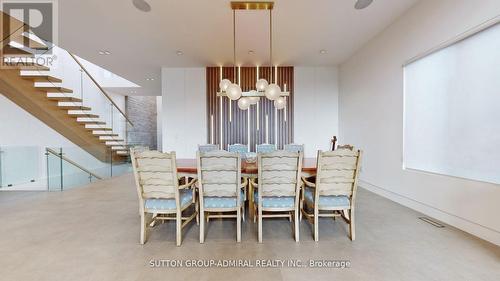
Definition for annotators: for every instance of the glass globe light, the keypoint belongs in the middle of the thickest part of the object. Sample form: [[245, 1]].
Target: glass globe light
[[254, 100], [233, 91], [273, 91], [224, 83], [280, 103], [244, 103], [261, 85]]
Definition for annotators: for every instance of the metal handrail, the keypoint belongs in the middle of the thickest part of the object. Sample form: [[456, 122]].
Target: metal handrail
[[58, 154], [100, 88]]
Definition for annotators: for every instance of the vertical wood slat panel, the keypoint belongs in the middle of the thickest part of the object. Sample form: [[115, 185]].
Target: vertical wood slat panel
[[236, 131]]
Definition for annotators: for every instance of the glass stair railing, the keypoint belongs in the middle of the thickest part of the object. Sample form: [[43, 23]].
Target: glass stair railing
[[53, 169]]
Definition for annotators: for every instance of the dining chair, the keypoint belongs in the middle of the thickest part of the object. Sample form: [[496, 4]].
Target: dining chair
[[345, 146], [242, 149], [333, 193], [220, 188], [294, 147], [265, 148], [279, 187], [160, 196], [207, 147]]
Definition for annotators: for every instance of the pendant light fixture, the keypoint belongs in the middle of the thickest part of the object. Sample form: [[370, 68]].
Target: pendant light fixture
[[271, 90]]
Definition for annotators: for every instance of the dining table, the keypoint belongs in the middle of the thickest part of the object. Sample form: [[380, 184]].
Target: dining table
[[188, 167]]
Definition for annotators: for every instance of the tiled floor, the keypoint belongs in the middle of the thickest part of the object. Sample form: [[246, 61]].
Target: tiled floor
[[92, 233]]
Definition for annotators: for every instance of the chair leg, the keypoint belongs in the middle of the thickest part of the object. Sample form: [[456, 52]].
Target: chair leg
[[300, 210], [316, 224], [254, 213], [296, 222], [143, 228], [202, 226], [197, 210], [178, 221], [243, 212], [238, 225], [260, 224], [352, 232]]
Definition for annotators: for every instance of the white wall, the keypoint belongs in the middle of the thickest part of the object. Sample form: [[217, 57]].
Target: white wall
[[371, 117], [315, 107], [159, 123], [183, 110]]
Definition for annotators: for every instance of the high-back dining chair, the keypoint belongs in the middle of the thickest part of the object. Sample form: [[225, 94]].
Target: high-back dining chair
[[279, 187], [207, 147], [160, 196], [265, 148], [334, 191], [294, 147], [220, 188], [239, 148]]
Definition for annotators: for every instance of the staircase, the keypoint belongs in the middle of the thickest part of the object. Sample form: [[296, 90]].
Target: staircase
[[32, 87]]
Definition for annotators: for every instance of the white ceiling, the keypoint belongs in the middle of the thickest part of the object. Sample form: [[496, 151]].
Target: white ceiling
[[141, 43]]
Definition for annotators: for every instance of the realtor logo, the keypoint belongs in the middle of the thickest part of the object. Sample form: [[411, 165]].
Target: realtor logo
[[28, 28]]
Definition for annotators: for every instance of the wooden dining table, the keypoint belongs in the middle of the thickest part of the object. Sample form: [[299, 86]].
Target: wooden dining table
[[189, 167]]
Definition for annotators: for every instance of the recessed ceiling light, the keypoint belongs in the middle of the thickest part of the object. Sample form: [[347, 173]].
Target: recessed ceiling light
[[251, 52], [104, 53], [323, 51], [361, 4], [150, 79], [179, 53], [142, 5], [133, 92], [107, 52]]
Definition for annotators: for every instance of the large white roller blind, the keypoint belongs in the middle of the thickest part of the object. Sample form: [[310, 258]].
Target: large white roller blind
[[452, 109]]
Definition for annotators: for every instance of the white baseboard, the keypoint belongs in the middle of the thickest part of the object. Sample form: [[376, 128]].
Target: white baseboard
[[468, 226]]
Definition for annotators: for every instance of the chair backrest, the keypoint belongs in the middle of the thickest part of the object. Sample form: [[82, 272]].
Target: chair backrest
[[279, 173], [265, 148], [219, 173], [207, 147], [346, 146], [337, 172], [294, 147], [155, 174], [240, 148]]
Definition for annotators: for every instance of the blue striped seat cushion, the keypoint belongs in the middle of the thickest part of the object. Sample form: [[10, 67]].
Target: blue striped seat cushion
[[186, 197], [275, 201], [326, 201], [222, 202]]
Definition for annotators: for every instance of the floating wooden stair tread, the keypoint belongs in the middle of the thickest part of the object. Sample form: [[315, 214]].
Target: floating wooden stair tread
[[74, 107], [91, 122], [83, 115], [65, 99], [22, 39], [99, 129], [42, 78], [16, 52], [111, 140], [54, 89], [106, 135], [26, 66]]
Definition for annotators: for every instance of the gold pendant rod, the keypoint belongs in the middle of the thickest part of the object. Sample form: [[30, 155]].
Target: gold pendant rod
[[252, 5]]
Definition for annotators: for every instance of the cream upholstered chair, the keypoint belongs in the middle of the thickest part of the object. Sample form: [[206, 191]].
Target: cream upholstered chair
[[294, 147], [279, 187], [160, 196], [207, 147], [240, 148], [334, 191], [220, 188], [265, 148]]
